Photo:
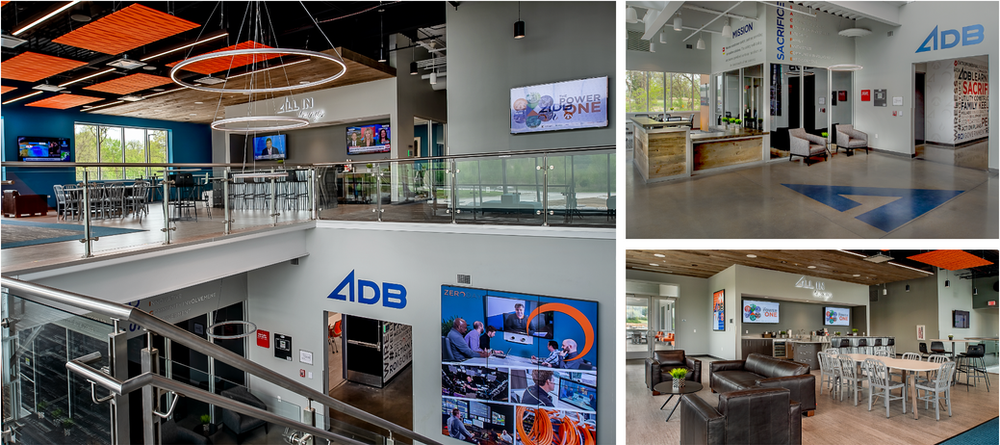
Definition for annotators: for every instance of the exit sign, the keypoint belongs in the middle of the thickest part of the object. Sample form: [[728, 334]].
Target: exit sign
[[991, 303]]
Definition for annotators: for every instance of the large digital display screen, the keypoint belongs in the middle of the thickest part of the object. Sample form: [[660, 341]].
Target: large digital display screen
[[760, 311], [368, 139], [527, 358], [269, 148], [567, 105], [43, 149], [836, 316]]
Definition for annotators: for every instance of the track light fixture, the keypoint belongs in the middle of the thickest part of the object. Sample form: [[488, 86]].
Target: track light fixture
[[518, 25], [631, 16], [701, 43], [727, 29], [663, 37]]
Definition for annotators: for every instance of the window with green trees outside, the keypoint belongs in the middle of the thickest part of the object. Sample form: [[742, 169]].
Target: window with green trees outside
[[113, 144], [659, 92]]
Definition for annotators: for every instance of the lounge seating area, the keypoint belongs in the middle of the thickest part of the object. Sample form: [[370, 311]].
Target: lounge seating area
[[761, 371], [806, 145]]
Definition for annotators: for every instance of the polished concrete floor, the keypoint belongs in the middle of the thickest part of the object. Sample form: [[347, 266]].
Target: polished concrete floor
[[845, 197]]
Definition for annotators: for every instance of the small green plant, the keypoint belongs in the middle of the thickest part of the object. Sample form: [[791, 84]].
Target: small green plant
[[43, 405], [57, 413], [205, 419], [678, 373], [836, 333], [781, 333], [738, 121], [446, 325], [854, 330], [68, 423]]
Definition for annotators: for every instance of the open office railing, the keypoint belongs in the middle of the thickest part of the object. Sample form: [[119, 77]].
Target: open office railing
[[24, 317], [572, 187]]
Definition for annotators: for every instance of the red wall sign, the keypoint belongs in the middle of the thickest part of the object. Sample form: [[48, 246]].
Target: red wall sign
[[866, 95], [263, 338], [992, 303]]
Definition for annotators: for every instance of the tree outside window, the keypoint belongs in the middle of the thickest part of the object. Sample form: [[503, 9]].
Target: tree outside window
[[111, 144]]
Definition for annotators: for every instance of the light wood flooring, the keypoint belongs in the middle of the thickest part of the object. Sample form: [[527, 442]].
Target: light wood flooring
[[835, 422], [188, 231]]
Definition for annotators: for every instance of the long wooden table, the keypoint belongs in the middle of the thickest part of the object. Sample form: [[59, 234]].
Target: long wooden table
[[902, 365]]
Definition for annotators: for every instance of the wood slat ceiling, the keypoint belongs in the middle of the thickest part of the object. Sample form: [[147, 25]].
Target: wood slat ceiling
[[130, 84], [179, 106], [126, 29], [830, 264]]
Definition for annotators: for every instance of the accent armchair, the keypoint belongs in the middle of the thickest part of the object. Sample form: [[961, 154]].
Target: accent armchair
[[241, 424], [659, 365], [753, 416], [850, 139], [806, 145]]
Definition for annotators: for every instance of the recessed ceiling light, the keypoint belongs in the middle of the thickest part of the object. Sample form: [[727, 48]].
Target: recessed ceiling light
[[193, 114], [158, 89], [304, 82], [149, 68], [659, 255], [856, 275], [198, 103], [157, 110], [812, 267], [654, 264], [750, 255]]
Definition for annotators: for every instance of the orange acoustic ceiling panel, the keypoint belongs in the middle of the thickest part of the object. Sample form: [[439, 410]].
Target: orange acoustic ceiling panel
[[126, 29], [32, 67], [63, 101], [6, 89], [950, 259], [130, 84], [225, 63], [3, 3]]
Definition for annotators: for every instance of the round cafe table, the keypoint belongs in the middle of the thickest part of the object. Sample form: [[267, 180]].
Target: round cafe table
[[667, 387]]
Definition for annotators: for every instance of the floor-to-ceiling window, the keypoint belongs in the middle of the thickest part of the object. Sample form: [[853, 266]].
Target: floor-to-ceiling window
[[658, 92], [113, 144]]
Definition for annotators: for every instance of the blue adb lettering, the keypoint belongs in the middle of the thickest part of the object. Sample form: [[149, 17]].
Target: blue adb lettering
[[971, 35], [392, 295]]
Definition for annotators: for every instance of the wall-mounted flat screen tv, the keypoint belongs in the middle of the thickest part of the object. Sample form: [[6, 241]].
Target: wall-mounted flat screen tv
[[760, 311], [566, 105], [960, 319], [43, 149], [269, 148], [510, 316], [369, 139], [836, 316]]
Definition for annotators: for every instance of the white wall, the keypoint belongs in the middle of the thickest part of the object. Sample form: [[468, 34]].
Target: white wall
[[887, 63], [723, 344], [415, 96], [564, 41], [939, 100], [692, 324], [673, 56], [291, 299], [982, 322]]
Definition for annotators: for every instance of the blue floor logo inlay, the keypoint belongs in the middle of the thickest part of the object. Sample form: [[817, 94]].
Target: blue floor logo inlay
[[912, 202]]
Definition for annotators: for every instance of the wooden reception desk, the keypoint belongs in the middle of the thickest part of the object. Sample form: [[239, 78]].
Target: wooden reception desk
[[669, 150]]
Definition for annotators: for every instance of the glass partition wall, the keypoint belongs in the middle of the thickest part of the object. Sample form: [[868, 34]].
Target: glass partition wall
[[739, 94], [811, 98], [649, 324]]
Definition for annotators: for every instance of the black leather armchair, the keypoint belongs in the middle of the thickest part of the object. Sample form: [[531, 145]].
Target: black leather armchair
[[238, 423], [659, 365], [171, 434], [753, 416], [762, 371]]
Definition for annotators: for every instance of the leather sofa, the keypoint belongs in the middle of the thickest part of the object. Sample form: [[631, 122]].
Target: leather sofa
[[752, 416], [659, 365], [16, 204], [764, 371], [241, 424]]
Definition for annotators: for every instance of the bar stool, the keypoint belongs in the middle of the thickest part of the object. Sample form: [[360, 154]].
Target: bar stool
[[891, 346], [877, 348], [863, 346], [923, 350], [845, 346], [973, 364], [937, 347]]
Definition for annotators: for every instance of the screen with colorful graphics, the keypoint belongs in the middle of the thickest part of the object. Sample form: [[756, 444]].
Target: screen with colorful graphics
[[836, 316], [517, 365], [368, 139], [269, 147], [42, 149], [719, 310], [760, 311], [567, 105]]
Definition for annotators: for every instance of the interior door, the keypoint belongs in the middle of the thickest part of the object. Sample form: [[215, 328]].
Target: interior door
[[637, 327], [793, 102]]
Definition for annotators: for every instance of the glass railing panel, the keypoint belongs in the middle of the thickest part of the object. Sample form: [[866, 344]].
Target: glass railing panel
[[581, 189], [421, 192], [348, 192], [261, 199], [43, 402], [470, 192]]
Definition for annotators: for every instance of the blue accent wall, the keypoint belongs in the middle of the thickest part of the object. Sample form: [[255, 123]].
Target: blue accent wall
[[189, 143]]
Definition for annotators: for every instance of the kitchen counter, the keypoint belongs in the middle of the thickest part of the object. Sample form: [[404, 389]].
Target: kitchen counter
[[722, 135], [750, 337]]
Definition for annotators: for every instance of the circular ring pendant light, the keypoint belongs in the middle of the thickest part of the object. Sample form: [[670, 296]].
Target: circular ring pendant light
[[259, 123], [248, 330], [257, 51]]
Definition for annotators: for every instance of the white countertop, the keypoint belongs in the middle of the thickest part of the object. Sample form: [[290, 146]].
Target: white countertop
[[751, 337]]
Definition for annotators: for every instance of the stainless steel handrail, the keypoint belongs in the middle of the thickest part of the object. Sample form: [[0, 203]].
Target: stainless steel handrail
[[286, 166], [123, 312], [185, 390]]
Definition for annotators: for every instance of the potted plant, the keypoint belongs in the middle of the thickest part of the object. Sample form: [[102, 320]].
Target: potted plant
[[678, 374], [56, 414], [781, 334], [41, 409], [67, 425], [854, 331], [206, 424], [951, 337], [737, 122], [837, 334]]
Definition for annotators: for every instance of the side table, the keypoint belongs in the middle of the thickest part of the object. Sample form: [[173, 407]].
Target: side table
[[667, 387]]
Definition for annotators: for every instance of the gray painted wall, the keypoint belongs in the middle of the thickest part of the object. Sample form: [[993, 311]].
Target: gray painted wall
[[986, 292], [888, 63], [939, 94], [309, 145], [982, 322], [414, 96], [563, 42], [673, 56], [722, 344], [290, 299], [898, 313], [794, 316], [692, 324]]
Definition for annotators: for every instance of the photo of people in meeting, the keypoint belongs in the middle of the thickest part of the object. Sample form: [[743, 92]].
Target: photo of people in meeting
[[475, 382], [543, 349]]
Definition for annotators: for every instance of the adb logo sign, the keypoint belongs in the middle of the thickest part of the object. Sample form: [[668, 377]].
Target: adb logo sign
[[368, 292], [950, 38]]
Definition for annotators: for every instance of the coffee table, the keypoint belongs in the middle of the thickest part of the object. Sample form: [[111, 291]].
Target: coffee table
[[667, 387]]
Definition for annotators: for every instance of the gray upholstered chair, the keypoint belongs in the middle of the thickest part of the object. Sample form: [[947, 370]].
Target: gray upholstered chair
[[806, 145], [241, 424], [849, 138], [171, 434]]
